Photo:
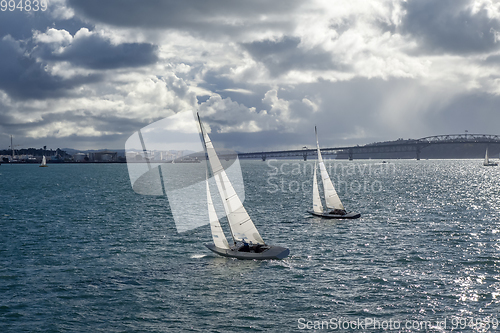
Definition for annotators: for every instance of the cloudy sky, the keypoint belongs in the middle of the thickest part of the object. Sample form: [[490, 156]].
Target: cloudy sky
[[87, 74]]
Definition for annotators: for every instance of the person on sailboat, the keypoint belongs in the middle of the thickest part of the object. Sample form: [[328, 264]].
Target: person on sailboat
[[246, 246], [338, 212]]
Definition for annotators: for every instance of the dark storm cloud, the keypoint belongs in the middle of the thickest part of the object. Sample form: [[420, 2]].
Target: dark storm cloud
[[21, 24], [101, 122], [95, 52], [104, 122], [105, 141], [220, 81], [284, 55], [201, 16], [344, 106], [6, 118], [449, 26], [264, 140], [21, 76], [476, 112]]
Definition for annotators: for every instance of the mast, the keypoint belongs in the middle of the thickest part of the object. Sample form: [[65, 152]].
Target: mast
[[12, 147], [206, 155]]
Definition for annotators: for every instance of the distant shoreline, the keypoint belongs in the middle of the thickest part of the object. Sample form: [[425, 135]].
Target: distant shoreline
[[251, 159], [68, 162]]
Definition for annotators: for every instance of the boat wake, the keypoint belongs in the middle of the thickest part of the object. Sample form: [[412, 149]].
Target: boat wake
[[198, 256]]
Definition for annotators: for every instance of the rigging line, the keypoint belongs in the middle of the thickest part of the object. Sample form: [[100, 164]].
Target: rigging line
[[245, 221], [234, 195]]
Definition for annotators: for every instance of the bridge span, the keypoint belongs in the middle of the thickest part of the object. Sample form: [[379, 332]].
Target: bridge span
[[411, 145]]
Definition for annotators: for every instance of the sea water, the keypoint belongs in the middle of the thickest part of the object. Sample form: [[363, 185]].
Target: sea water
[[80, 251]]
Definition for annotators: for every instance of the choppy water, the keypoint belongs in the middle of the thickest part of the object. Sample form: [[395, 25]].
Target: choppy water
[[81, 252]]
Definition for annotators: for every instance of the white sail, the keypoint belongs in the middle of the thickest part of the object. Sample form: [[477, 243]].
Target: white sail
[[331, 197], [217, 232], [317, 205], [44, 161], [240, 222], [486, 159]]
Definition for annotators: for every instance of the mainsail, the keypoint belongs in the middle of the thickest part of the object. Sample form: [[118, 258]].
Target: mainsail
[[217, 232], [331, 197], [486, 159], [317, 205], [240, 222]]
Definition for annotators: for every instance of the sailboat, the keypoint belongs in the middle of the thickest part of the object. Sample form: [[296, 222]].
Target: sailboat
[[44, 162], [487, 161], [335, 208], [247, 242]]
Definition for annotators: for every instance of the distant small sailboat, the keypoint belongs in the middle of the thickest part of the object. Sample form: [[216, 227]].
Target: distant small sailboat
[[487, 161], [248, 244], [44, 162], [335, 208]]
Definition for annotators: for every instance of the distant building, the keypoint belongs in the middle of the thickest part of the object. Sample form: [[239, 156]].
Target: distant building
[[79, 157], [131, 156], [103, 156]]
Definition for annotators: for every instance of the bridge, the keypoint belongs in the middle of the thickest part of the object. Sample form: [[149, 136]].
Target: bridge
[[410, 145]]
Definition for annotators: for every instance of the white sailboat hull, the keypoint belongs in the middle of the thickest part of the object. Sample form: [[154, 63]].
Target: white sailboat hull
[[327, 215], [265, 252]]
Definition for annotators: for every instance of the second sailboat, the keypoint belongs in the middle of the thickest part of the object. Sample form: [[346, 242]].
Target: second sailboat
[[335, 208]]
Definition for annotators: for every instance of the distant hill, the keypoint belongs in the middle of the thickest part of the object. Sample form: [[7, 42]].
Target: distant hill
[[71, 151], [36, 152]]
